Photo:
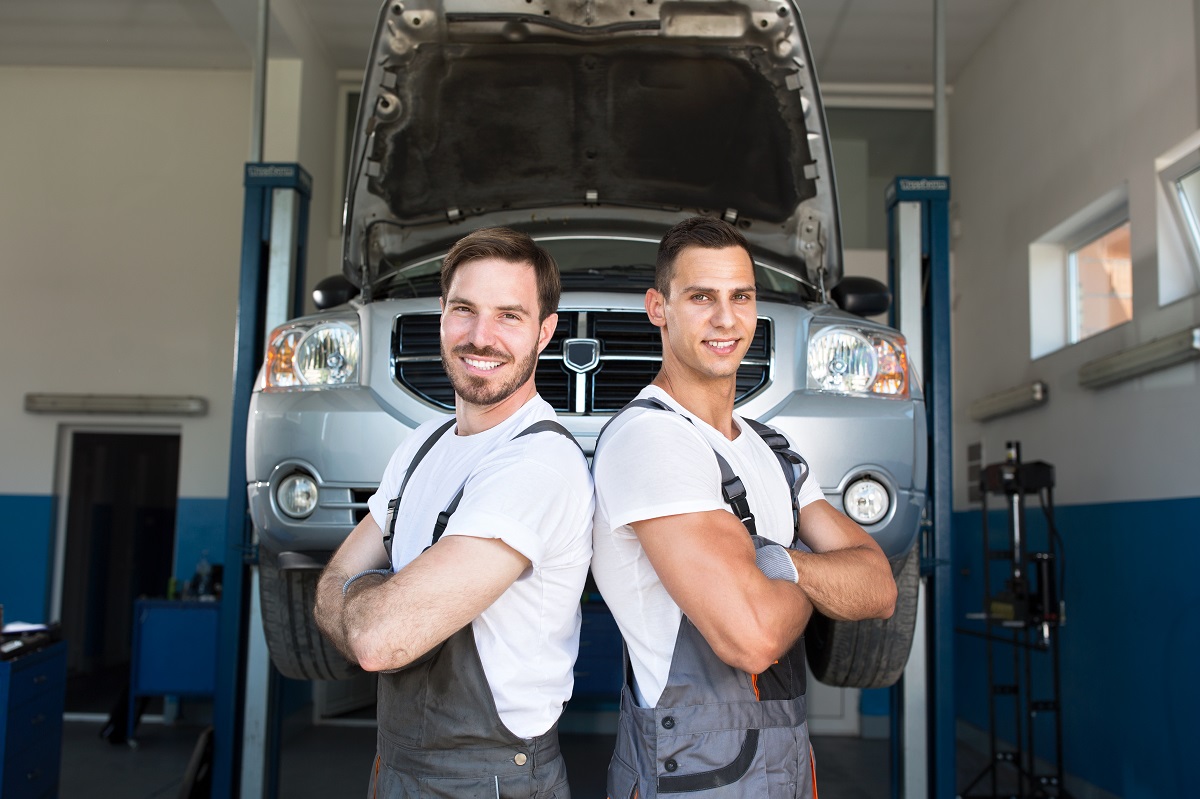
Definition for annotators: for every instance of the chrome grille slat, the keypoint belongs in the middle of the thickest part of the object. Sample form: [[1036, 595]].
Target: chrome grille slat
[[630, 354]]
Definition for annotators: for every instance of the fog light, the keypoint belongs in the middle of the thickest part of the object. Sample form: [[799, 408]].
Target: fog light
[[297, 495], [866, 501]]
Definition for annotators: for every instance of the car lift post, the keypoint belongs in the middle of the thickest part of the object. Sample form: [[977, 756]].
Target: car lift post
[[923, 721], [245, 713]]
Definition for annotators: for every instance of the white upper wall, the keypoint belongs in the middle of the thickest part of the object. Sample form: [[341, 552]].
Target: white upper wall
[[120, 230], [1066, 102], [120, 239]]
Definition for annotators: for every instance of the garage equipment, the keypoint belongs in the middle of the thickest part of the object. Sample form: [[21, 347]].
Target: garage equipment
[[274, 246], [1023, 617], [922, 704]]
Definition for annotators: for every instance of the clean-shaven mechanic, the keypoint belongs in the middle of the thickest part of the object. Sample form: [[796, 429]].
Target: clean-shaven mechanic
[[694, 509], [473, 620]]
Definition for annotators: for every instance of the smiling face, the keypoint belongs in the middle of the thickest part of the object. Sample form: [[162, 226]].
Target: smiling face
[[491, 336], [708, 316]]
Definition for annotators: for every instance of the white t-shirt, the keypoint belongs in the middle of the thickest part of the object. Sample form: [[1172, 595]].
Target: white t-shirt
[[652, 463], [535, 494]]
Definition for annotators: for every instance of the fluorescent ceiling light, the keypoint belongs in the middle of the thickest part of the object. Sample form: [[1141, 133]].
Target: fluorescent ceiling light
[[116, 404], [1009, 401], [1142, 359]]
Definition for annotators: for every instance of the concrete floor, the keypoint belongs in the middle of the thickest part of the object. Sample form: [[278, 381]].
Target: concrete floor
[[334, 761]]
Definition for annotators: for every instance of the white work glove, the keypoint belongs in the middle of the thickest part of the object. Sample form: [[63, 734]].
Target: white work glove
[[773, 561]]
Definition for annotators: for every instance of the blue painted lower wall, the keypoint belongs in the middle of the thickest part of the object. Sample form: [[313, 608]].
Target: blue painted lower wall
[[26, 556], [1130, 650], [27, 548], [199, 530]]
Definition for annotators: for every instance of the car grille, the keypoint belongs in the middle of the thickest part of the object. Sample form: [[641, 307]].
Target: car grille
[[629, 355]]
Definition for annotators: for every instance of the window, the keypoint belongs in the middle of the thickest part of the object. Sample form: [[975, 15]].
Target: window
[[1179, 221], [1081, 276], [1101, 284]]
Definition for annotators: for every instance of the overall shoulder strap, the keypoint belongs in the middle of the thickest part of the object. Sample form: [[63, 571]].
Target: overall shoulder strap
[[543, 426], [548, 426], [389, 527], [645, 402], [795, 468], [732, 490]]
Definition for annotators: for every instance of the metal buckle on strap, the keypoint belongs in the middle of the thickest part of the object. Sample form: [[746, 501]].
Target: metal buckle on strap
[[733, 490], [735, 496], [443, 520], [389, 526]]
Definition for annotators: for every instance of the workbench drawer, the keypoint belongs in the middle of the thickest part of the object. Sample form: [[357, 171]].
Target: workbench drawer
[[35, 723], [35, 674], [34, 776], [32, 694]]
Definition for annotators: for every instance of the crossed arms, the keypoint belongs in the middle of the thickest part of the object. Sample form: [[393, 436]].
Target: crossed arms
[[386, 623], [706, 562]]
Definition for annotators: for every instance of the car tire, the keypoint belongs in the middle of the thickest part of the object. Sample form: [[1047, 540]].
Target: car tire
[[870, 653], [297, 648]]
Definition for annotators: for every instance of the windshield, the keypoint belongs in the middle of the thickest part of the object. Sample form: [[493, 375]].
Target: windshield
[[591, 264]]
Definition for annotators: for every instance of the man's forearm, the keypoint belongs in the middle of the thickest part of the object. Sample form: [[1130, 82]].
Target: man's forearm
[[330, 609], [847, 584]]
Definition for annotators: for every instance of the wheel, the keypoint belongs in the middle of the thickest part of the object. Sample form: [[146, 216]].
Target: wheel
[[869, 653], [297, 647]]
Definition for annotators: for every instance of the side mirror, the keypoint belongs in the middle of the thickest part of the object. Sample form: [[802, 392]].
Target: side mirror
[[864, 296], [333, 290]]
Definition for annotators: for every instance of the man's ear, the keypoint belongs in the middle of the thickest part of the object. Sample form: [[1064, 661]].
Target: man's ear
[[441, 304], [655, 307], [549, 324]]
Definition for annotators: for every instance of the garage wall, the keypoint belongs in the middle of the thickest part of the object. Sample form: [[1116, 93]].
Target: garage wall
[[120, 226], [120, 235], [1065, 103]]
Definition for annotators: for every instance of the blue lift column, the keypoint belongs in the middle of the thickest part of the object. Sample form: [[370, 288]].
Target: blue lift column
[[923, 735], [271, 290]]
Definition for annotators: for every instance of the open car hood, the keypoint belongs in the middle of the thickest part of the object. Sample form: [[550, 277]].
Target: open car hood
[[624, 116]]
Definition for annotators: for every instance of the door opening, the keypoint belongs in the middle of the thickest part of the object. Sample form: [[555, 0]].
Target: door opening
[[119, 544]]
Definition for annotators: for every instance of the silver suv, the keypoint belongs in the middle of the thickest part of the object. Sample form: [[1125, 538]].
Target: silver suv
[[594, 127]]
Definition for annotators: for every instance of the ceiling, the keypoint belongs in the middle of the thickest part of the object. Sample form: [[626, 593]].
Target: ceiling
[[853, 41]]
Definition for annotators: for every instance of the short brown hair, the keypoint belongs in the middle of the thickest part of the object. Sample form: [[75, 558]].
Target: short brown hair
[[698, 231], [514, 247]]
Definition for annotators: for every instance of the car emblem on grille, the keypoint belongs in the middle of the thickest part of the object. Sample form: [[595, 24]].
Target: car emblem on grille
[[581, 354]]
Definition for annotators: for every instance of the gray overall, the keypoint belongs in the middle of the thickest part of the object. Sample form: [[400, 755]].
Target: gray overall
[[718, 732], [440, 736]]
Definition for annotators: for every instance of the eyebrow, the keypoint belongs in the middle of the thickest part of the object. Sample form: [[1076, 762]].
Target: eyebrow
[[517, 308], [708, 290]]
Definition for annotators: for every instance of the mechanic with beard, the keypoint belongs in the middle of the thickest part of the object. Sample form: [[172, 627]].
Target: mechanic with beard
[[473, 621]]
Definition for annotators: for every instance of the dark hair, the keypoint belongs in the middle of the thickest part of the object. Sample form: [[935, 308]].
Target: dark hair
[[698, 231], [509, 245]]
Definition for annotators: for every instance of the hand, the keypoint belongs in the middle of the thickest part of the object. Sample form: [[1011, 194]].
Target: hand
[[773, 561]]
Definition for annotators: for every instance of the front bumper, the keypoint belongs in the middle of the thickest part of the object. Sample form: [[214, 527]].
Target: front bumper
[[344, 438]]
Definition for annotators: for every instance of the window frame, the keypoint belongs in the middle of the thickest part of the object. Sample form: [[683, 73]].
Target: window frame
[[1172, 167], [1052, 296]]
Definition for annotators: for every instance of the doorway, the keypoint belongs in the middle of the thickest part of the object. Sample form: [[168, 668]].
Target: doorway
[[118, 543]]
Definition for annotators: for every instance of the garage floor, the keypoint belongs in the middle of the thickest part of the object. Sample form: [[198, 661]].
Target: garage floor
[[327, 761]]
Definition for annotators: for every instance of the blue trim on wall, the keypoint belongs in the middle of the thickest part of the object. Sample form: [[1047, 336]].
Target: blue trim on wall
[[26, 547], [199, 526], [874, 702], [1130, 647]]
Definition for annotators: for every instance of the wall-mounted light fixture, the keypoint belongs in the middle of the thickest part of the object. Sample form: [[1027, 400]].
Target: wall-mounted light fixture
[[1167, 351], [120, 404], [1009, 401]]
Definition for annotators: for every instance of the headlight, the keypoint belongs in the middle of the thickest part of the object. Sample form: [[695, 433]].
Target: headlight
[[297, 495], [858, 361], [308, 355], [866, 501]]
